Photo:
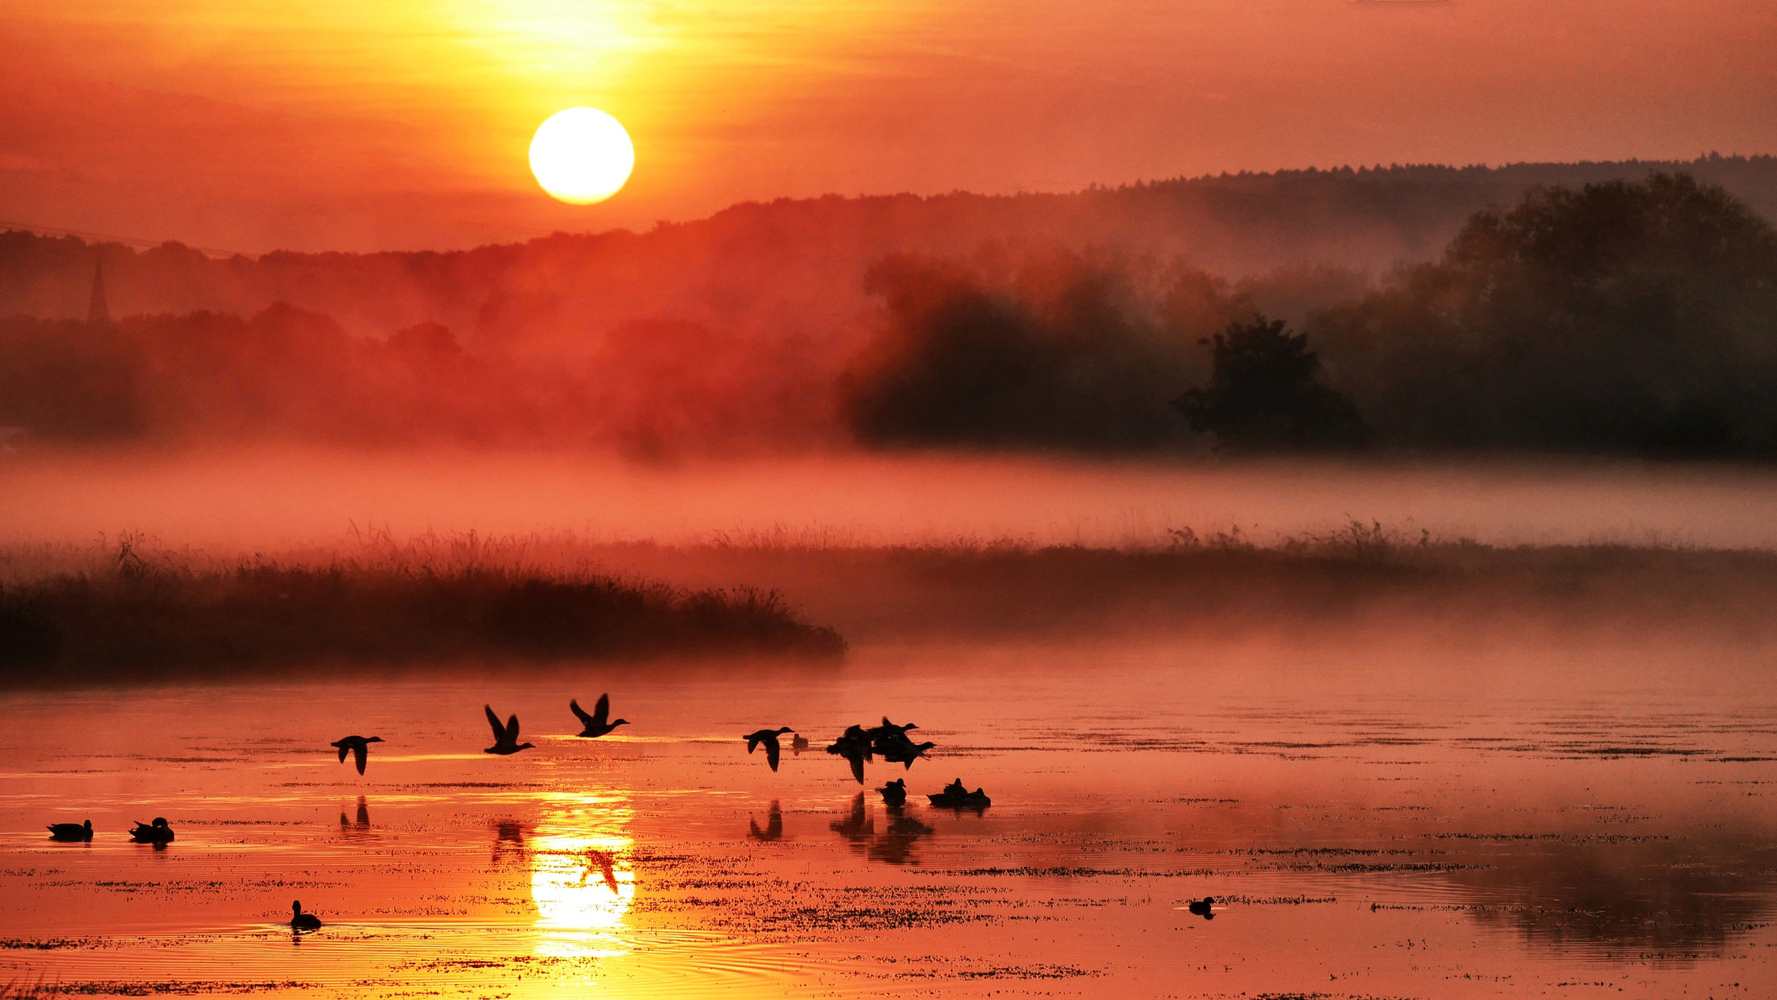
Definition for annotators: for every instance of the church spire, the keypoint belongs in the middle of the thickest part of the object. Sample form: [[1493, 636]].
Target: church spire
[[98, 313]]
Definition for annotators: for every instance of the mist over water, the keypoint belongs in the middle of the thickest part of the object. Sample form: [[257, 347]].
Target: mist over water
[[258, 499]]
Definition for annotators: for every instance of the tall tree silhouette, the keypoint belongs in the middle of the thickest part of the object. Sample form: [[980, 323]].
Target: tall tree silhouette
[[1263, 394]]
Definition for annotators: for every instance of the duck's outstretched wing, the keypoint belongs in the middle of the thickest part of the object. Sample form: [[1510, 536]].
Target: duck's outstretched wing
[[580, 713], [771, 752], [360, 754], [512, 729], [343, 748], [601, 712], [494, 721], [857, 765]]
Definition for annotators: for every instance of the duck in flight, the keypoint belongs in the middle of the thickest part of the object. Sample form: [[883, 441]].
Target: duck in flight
[[71, 831], [767, 737], [854, 746], [358, 747], [904, 751], [888, 735], [157, 832], [301, 921], [595, 723], [506, 736]]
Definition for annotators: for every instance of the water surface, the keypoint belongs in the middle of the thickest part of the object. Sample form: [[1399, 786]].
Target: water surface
[[1399, 822]]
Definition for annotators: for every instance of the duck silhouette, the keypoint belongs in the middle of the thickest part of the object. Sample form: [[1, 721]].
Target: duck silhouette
[[956, 796], [358, 747], [767, 737], [1204, 907], [905, 751], [506, 736], [894, 794], [798, 743], [71, 831], [888, 734], [774, 825], [301, 921], [595, 724], [157, 833], [854, 746]]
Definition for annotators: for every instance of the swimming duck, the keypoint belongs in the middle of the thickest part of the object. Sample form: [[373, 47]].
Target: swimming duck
[[506, 736], [71, 831], [157, 832], [894, 794], [1204, 908], [767, 737], [301, 921], [358, 747], [595, 724], [955, 796], [798, 743]]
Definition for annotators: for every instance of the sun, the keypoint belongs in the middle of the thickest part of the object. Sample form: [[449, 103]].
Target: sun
[[582, 155]]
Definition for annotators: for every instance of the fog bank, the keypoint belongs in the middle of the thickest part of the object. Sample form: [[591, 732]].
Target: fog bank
[[249, 500]]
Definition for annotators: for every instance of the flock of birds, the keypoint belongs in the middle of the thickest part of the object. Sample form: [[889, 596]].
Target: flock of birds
[[857, 745]]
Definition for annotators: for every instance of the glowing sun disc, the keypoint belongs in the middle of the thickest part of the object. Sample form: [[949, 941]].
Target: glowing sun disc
[[582, 155]]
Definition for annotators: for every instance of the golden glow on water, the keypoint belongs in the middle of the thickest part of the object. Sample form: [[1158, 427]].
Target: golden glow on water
[[582, 881]]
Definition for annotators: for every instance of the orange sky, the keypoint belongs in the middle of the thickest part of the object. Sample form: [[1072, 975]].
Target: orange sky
[[361, 124]]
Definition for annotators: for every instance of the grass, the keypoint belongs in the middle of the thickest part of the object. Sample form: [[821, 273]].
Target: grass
[[147, 610], [128, 607]]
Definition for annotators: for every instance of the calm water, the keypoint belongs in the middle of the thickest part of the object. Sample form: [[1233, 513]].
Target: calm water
[[1373, 823]]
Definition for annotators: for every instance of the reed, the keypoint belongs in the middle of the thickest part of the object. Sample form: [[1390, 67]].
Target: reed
[[147, 611]]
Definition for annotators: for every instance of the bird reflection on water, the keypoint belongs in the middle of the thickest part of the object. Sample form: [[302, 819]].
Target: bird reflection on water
[[361, 823], [582, 878], [893, 844], [774, 825], [509, 838]]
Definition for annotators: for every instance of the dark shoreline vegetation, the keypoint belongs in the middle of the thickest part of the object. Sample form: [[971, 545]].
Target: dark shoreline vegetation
[[153, 615], [146, 616], [1625, 316]]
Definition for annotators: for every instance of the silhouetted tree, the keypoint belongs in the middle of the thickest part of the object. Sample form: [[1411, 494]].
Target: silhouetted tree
[[1263, 394], [1067, 351], [1620, 317]]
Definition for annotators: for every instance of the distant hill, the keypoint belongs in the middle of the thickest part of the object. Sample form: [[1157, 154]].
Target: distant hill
[[792, 268]]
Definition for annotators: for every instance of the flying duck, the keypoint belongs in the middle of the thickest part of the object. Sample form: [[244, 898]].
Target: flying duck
[[854, 746], [904, 751], [595, 723], [768, 737], [358, 747], [506, 736]]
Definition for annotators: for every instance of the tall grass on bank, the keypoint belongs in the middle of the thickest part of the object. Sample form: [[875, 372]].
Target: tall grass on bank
[[157, 611]]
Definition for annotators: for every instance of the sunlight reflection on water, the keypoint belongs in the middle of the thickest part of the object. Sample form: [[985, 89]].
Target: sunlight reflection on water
[[581, 879]]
